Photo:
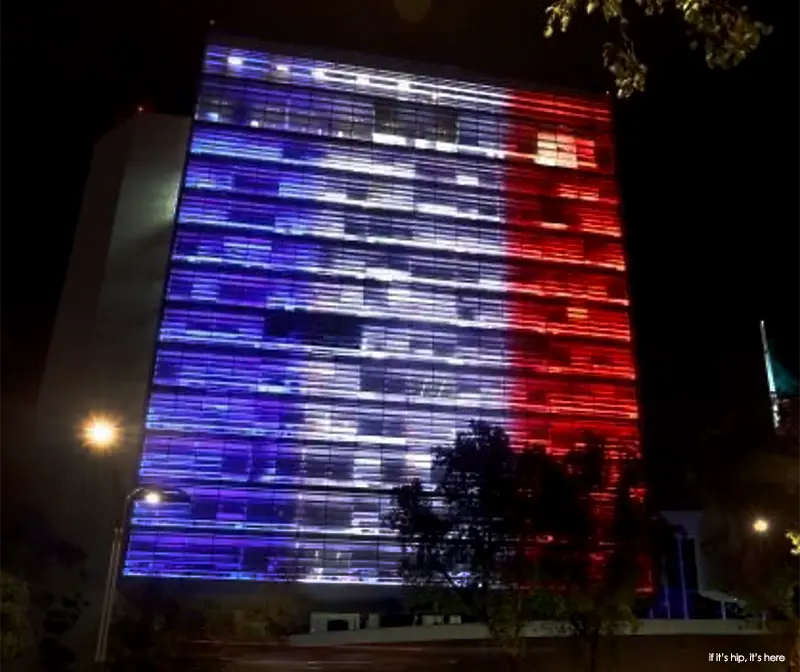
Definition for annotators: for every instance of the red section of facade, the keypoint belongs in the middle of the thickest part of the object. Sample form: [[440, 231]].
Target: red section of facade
[[576, 375]]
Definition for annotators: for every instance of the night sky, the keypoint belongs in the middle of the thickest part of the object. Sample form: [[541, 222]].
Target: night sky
[[708, 165]]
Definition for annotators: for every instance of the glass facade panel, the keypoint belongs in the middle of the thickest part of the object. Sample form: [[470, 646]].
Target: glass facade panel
[[364, 261]]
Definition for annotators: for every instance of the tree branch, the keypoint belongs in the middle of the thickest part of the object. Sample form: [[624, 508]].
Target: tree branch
[[728, 33]]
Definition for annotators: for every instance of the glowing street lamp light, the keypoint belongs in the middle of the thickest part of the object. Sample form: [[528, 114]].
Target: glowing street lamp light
[[761, 525], [100, 434], [152, 497]]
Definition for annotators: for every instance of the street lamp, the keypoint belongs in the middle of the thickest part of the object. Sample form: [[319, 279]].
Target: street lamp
[[761, 526], [152, 496], [100, 433]]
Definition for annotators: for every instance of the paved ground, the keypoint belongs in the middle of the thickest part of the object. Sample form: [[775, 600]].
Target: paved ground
[[458, 656], [624, 654]]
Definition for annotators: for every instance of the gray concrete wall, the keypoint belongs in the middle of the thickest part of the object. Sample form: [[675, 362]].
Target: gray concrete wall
[[103, 341], [102, 346], [129, 304], [60, 406]]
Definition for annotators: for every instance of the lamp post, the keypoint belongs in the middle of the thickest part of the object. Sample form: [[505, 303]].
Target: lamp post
[[102, 435], [149, 495]]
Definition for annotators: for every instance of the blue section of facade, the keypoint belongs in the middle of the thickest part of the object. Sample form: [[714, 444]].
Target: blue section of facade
[[308, 354]]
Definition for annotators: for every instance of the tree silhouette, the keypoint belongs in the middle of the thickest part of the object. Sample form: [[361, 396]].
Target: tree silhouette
[[154, 631], [726, 33], [16, 636], [516, 536], [52, 571]]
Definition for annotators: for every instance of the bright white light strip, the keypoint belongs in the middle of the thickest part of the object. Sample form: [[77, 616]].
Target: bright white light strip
[[414, 310], [481, 357], [436, 209], [564, 158], [458, 93], [455, 91], [318, 230], [491, 398], [389, 139], [373, 530], [383, 80], [335, 159], [467, 180]]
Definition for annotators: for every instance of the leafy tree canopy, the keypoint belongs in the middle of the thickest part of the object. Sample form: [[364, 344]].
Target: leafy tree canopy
[[43, 582], [16, 635], [161, 633], [726, 33], [514, 536]]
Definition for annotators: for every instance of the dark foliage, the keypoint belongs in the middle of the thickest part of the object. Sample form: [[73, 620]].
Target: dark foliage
[[157, 633], [61, 613], [742, 478], [519, 535], [15, 624], [30, 548], [53, 571]]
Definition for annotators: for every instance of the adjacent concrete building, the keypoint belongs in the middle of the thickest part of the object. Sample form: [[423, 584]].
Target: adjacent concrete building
[[104, 335]]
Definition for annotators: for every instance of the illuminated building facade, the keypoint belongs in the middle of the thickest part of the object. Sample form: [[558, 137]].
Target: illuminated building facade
[[364, 260]]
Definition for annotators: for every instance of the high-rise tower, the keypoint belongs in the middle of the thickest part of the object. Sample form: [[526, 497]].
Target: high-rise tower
[[364, 260]]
